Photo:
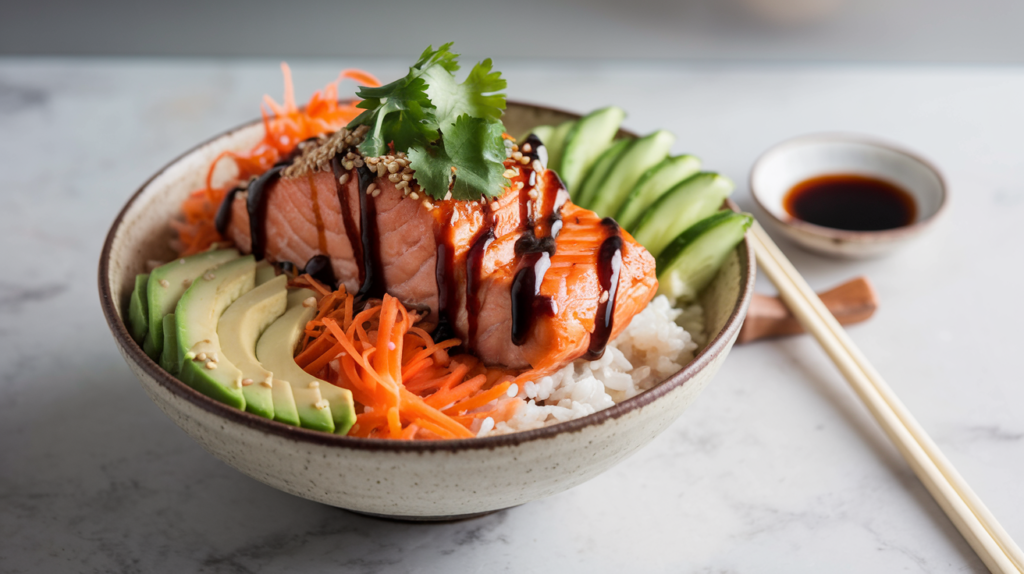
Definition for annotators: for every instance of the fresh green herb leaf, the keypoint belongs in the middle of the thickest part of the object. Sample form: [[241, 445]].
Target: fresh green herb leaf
[[441, 124], [474, 148], [475, 96]]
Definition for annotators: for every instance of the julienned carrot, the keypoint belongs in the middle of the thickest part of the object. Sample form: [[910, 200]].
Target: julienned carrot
[[397, 374]]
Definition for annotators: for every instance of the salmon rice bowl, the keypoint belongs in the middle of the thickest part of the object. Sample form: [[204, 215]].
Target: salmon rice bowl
[[401, 267]]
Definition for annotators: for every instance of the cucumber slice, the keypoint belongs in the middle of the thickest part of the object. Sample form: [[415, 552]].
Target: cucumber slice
[[556, 144], [599, 172], [685, 204], [658, 181], [138, 313], [585, 142], [692, 260], [543, 133], [646, 153]]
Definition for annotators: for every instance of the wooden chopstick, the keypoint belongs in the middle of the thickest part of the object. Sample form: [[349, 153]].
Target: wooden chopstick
[[970, 516]]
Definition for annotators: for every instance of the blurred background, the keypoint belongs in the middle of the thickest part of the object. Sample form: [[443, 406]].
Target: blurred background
[[940, 31]]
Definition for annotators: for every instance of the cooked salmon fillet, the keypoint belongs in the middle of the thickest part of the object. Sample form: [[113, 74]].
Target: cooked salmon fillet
[[462, 260]]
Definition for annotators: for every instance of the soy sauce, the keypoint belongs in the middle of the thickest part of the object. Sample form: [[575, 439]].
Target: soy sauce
[[850, 202]]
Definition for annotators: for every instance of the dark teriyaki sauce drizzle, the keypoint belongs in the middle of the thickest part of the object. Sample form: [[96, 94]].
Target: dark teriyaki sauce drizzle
[[609, 263], [474, 273], [256, 205], [223, 219], [535, 246], [319, 267], [444, 274], [373, 286], [351, 230]]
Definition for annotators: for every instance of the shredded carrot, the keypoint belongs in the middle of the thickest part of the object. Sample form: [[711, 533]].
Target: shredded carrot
[[399, 377], [284, 126]]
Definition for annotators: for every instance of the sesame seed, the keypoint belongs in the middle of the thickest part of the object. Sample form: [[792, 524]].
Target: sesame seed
[[165, 283], [246, 382], [371, 188], [381, 169], [350, 155], [427, 204], [414, 195], [209, 276], [372, 160], [267, 384], [393, 167], [376, 192], [211, 365], [343, 178], [527, 148], [515, 147], [347, 165], [321, 404], [524, 160], [604, 297], [509, 174], [537, 166], [394, 178], [517, 155], [402, 185], [314, 385], [406, 177], [309, 302], [201, 357]]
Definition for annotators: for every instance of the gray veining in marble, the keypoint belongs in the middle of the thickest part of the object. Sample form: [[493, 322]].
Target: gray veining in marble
[[775, 468]]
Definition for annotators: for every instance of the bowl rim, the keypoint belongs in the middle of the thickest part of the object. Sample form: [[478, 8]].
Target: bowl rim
[[134, 352], [847, 235]]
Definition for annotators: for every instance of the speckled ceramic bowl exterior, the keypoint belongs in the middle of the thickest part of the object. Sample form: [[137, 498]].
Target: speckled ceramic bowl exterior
[[407, 480], [806, 157]]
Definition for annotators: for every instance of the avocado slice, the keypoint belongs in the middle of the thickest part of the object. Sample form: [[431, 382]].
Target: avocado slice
[[138, 317], [646, 153], [238, 330], [169, 355], [264, 272], [590, 136], [556, 144], [202, 364], [168, 283], [658, 181], [604, 164], [321, 405]]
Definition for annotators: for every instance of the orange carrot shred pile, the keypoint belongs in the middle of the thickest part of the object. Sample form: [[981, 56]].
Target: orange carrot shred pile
[[285, 125], [407, 386]]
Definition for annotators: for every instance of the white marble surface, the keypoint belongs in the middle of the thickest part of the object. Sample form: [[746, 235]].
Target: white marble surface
[[775, 468]]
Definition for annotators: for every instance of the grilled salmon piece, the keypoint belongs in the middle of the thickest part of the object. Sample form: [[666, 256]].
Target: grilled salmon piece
[[463, 260]]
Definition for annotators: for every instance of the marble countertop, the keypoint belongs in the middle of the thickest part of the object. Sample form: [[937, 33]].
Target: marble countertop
[[777, 467]]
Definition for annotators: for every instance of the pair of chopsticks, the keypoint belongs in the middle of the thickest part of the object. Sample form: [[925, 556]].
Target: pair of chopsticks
[[970, 516]]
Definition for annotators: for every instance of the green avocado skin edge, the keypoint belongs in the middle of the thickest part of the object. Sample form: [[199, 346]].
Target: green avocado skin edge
[[138, 314]]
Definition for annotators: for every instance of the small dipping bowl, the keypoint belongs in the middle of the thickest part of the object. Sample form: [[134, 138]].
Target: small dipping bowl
[[797, 160]]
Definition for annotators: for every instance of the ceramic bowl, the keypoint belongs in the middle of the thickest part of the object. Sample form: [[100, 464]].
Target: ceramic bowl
[[802, 158], [408, 480]]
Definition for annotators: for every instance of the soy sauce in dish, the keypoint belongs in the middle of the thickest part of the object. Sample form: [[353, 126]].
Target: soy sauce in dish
[[850, 202]]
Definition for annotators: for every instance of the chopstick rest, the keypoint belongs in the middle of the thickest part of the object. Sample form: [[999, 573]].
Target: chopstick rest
[[851, 302]]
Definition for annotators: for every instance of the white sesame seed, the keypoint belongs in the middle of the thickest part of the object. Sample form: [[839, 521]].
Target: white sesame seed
[[343, 178], [509, 174], [517, 155], [309, 302], [402, 185], [414, 195], [165, 283], [427, 204], [515, 147], [382, 168], [513, 390], [347, 165], [604, 297], [314, 385], [211, 365], [394, 178], [525, 160], [201, 357], [246, 382], [371, 188], [209, 276], [376, 193], [393, 167], [527, 148], [406, 177], [321, 404]]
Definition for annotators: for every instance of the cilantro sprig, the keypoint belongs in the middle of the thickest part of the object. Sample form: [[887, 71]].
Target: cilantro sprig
[[451, 130]]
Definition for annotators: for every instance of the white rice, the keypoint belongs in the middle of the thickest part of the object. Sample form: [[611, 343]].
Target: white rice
[[659, 341]]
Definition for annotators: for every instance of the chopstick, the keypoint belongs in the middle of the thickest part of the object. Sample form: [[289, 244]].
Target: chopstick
[[963, 507]]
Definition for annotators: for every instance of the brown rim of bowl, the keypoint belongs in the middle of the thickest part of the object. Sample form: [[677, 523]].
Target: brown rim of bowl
[[845, 234], [713, 349]]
